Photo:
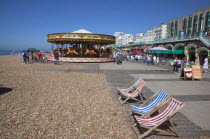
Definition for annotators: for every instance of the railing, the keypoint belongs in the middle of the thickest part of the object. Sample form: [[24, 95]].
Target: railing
[[205, 39]]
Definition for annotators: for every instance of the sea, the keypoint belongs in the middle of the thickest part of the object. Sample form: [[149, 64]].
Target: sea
[[10, 52]]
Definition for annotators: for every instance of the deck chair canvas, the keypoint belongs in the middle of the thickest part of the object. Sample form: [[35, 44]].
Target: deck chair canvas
[[152, 123], [152, 104], [133, 84], [137, 92]]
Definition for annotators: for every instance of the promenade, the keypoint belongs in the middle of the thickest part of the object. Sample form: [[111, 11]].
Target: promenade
[[193, 121]]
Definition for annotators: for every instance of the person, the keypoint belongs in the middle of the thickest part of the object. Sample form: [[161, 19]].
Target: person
[[119, 59], [179, 64], [115, 57], [184, 62], [27, 57], [154, 60], [32, 57], [24, 57], [43, 58], [145, 59], [39, 56], [157, 60], [56, 57], [175, 69], [205, 64], [148, 60], [136, 57]]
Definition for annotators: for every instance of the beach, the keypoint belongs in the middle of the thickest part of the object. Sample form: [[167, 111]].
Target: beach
[[43, 100]]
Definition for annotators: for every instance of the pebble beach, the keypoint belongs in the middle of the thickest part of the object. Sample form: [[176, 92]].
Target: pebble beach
[[36, 102]]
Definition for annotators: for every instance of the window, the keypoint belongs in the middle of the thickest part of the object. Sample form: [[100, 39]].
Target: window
[[207, 23], [189, 30], [185, 25], [195, 23], [200, 22]]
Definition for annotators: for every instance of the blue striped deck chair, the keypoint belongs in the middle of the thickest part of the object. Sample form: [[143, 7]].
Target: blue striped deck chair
[[130, 86], [152, 104]]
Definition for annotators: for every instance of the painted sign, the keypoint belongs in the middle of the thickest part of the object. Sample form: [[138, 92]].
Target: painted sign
[[196, 72]]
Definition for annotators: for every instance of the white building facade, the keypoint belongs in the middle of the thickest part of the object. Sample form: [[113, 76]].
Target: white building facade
[[123, 38], [159, 32]]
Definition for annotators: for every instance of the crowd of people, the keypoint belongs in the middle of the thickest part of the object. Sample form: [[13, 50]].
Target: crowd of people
[[177, 63], [33, 57]]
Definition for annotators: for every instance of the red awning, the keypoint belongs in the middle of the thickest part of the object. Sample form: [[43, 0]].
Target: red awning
[[137, 51]]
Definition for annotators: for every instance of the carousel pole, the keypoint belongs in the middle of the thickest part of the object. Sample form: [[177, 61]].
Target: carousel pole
[[81, 49], [52, 46]]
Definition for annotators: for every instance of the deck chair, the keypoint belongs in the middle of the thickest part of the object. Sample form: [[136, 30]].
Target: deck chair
[[133, 84], [152, 104], [153, 123], [137, 92]]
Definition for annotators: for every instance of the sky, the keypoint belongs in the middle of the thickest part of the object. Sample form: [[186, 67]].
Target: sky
[[26, 23]]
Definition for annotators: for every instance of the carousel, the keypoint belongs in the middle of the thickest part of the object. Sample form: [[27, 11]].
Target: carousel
[[81, 46]]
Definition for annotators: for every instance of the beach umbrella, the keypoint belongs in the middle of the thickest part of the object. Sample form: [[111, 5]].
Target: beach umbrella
[[158, 49], [137, 51], [126, 49]]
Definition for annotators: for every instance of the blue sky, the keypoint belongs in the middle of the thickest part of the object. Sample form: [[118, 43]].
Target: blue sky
[[26, 23]]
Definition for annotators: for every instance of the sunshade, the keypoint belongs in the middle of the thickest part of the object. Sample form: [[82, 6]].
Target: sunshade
[[126, 49], [177, 51], [158, 49], [137, 51]]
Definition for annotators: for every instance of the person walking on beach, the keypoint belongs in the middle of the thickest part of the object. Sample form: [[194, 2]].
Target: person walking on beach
[[39, 56], [24, 57], [43, 57], [56, 57], [27, 57], [205, 64]]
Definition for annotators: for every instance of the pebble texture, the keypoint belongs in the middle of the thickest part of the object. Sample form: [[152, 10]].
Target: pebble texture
[[38, 103]]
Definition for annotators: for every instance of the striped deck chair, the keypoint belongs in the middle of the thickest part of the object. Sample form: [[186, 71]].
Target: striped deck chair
[[152, 104], [137, 92], [133, 84], [152, 123]]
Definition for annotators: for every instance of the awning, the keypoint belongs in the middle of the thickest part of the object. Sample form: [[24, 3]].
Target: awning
[[156, 52], [161, 52], [178, 52], [166, 52], [137, 51]]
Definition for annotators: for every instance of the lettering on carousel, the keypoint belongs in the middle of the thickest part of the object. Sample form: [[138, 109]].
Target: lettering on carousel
[[54, 36], [70, 36], [92, 37], [109, 38]]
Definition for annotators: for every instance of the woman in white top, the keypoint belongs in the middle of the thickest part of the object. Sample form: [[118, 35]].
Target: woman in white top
[[205, 64]]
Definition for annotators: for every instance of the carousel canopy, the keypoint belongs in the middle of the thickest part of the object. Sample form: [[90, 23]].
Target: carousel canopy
[[81, 36], [82, 31]]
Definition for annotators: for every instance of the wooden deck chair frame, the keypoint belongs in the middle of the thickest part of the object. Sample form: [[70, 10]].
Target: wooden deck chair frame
[[156, 108], [173, 131], [130, 85], [133, 95]]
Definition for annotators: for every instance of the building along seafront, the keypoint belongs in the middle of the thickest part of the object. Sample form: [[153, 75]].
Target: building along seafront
[[186, 36]]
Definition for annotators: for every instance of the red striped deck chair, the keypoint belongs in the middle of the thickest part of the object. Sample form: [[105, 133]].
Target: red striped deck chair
[[153, 123], [137, 92]]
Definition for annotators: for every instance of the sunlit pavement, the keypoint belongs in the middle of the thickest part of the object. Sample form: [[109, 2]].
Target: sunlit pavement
[[195, 94]]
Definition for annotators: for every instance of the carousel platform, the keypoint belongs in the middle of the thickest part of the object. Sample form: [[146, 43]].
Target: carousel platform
[[83, 59]]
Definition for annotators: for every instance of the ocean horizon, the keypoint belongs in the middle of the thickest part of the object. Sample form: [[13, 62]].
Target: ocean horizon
[[9, 52]]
